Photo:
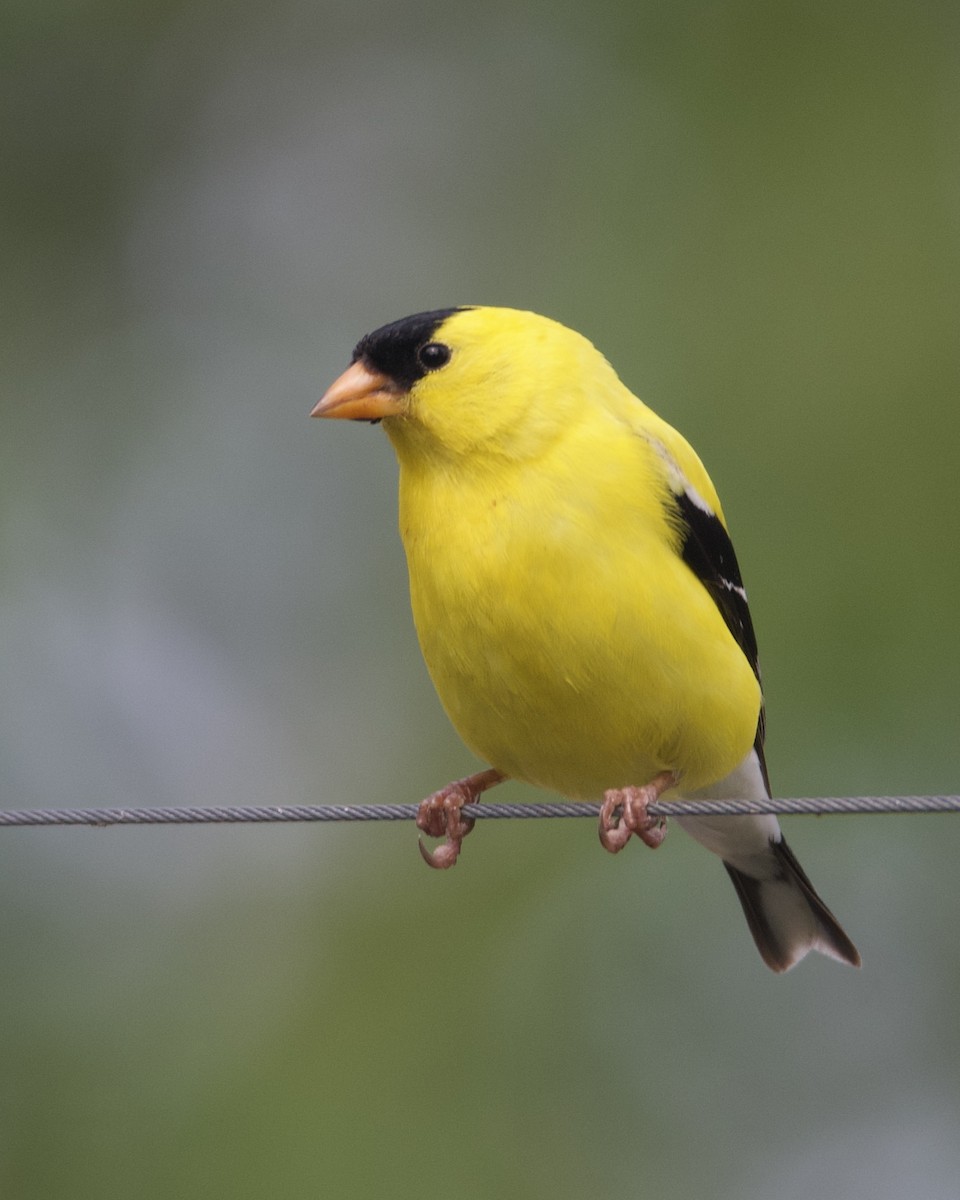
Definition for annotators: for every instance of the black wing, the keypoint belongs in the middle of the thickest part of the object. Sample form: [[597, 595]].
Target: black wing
[[708, 552]]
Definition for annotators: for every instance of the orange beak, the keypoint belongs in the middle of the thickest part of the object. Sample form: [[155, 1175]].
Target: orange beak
[[361, 395]]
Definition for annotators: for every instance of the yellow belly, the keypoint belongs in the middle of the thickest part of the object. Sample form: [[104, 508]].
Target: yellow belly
[[574, 656]]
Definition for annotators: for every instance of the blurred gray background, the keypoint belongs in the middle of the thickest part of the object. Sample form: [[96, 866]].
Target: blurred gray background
[[754, 211]]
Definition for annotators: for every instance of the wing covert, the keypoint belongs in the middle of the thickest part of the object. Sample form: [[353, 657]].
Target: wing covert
[[707, 550]]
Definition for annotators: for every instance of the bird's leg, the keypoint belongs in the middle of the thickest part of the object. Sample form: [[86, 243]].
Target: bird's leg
[[632, 804], [441, 815]]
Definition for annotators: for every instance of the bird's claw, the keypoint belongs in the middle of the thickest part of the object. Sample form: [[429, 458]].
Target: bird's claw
[[441, 816], [624, 812]]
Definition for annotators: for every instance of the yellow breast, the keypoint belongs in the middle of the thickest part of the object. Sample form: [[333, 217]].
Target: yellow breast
[[569, 643]]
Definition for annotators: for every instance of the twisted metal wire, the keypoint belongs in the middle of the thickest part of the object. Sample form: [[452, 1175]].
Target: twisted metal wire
[[262, 814]]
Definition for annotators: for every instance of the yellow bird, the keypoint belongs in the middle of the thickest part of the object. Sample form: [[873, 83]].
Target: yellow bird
[[576, 595]]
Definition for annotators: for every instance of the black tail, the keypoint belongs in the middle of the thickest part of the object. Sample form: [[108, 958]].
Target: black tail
[[786, 916]]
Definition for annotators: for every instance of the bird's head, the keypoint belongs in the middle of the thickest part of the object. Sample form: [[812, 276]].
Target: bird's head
[[469, 382]]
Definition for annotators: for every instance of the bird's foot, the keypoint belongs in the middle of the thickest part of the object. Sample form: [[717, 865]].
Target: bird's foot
[[624, 812], [441, 816]]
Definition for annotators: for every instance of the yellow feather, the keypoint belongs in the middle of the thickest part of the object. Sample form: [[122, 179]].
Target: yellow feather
[[570, 644]]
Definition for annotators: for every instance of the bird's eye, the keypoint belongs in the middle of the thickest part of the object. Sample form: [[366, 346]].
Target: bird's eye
[[433, 355]]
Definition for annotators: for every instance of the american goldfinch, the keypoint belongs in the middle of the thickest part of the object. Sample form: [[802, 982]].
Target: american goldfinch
[[576, 595]]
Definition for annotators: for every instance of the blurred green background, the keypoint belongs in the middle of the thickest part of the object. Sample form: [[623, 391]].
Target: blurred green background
[[754, 210]]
